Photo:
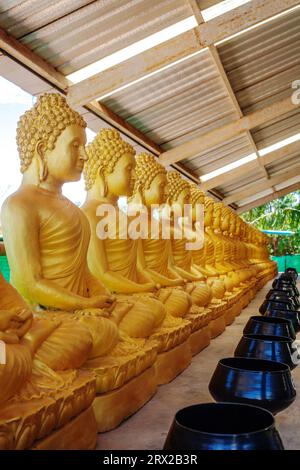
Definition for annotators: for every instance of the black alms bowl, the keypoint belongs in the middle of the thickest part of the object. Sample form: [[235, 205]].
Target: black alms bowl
[[270, 304], [270, 348], [292, 272], [223, 426], [254, 382], [270, 326], [286, 314]]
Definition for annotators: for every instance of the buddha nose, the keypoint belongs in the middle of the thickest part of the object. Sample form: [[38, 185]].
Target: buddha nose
[[83, 155]]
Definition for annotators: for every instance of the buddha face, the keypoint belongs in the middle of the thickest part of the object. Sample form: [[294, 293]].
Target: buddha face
[[225, 219], [183, 198], [216, 217], [232, 224], [208, 215], [237, 227], [195, 215], [120, 180], [65, 162], [156, 193]]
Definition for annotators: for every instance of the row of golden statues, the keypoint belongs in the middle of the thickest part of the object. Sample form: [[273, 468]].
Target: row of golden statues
[[92, 326]]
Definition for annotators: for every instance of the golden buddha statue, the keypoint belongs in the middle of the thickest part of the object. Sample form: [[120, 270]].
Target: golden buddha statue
[[255, 264], [155, 256], [231, 308], [35, 399], [267, 269], [199, 255], [114, 259], [47, 239], [233, 255]]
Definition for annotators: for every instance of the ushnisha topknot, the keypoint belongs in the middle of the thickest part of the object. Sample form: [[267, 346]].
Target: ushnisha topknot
[[176, 185], [196, 194], [208, 201], [226, 210], [146, 169], [44, 122], [103, 153]]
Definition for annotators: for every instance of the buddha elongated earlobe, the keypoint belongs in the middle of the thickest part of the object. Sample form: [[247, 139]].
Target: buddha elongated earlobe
[[102, 183], [42, 164], [138, 196]]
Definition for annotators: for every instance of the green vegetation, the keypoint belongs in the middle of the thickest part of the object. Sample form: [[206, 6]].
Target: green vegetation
[[280, 214]]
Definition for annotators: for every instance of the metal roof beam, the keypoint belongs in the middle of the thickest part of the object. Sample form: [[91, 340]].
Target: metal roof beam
[[269, 198], [259, 187], [243, 170]]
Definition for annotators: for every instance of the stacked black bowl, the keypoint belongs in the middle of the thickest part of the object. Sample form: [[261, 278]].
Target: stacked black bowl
[[282, 301], [252, 385]]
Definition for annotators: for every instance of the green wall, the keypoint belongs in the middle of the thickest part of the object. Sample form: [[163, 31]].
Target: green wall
[[288, 261]]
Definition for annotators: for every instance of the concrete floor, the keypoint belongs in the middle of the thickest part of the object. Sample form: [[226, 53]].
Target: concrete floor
[[147, 429]]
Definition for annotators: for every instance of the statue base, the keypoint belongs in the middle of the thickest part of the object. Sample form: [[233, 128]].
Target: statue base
[[199, 340], [238, 307], [217, 326], [79, 434], [230, 314], [171, 363], [113, 407]]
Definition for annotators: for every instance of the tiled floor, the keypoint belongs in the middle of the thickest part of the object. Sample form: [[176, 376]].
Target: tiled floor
[[148, 428]]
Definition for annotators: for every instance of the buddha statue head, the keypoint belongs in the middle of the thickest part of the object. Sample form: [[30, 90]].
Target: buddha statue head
[[110, 166], [237, 226], [217, 215], [243, 231], [197, 197], [150, 181], [208, 211], [232, 225], [51, 140], [225, 218], [179, 192]]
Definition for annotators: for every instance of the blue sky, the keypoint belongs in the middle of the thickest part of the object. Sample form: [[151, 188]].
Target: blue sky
[[13, 103]]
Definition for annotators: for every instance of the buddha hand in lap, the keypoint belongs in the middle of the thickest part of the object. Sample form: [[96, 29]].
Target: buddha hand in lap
[[47, 237], [114, 259]]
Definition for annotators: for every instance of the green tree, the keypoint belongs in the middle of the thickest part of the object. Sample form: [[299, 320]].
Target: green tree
[[280, 214]]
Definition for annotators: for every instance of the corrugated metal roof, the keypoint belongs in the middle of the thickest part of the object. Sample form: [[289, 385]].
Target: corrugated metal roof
[[203, 4], [277, 130], [238, 184], [219, 156], [71, 34], [286, 164], [181, 102], [257, 196], [262, 63], [287, 183], [185, 99]]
